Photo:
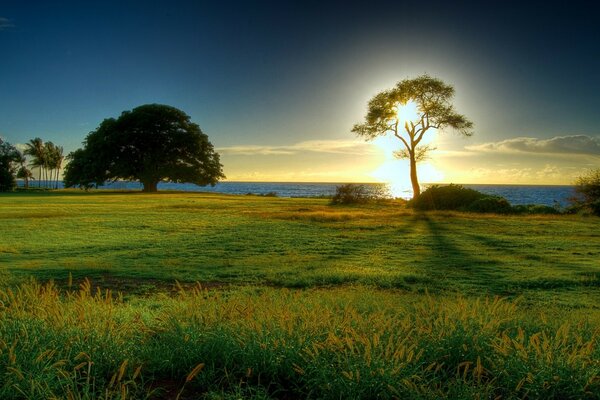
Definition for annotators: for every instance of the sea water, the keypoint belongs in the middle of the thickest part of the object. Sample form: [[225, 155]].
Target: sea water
[[516, 194]]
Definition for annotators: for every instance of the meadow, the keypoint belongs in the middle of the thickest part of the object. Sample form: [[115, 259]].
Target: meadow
[[187, 295]]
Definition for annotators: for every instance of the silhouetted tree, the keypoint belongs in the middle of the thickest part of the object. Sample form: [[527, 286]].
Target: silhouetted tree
[[9, 159], [150, 143], [434, 111]]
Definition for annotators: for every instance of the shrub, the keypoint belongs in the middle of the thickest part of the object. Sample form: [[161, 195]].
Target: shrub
[[587, 192], [351, 194], [451, 197], [490, 204]]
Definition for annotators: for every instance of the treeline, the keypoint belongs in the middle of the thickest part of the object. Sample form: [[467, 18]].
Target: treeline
[[45, 156]]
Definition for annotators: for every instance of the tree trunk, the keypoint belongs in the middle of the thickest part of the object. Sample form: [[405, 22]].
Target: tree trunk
[[414, 180], [150, 186], [26, 182]]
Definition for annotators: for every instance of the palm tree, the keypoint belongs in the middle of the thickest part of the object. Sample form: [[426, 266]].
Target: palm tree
[[49, 161], [59, 160], [35, 149], [54, 159], [24, 172]]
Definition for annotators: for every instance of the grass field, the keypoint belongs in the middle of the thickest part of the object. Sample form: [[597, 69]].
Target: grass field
[[300, 299]]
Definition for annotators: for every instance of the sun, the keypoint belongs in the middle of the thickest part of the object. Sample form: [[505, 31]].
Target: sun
[[407, 112]]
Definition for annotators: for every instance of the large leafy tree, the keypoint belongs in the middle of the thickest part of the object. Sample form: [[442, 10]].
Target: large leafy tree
[[9, 160], [432, 98], [150, 143]]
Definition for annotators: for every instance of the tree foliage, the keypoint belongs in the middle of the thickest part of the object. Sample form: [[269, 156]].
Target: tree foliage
[[150, 143], [587, 189], [434, 111], [47, 158], [9, 160]]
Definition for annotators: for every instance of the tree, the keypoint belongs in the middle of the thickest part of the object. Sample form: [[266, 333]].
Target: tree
[[434, 111], [35, 149], [24, 172], [587, 190], [9, 158], [53, 158], [150, 143]]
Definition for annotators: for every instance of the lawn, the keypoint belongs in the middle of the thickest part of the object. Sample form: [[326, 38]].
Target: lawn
[[298, 299]]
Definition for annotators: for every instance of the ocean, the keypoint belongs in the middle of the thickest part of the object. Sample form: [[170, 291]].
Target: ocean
[[515, 194]]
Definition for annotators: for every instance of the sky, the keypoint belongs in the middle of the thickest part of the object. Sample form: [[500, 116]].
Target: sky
[[277, 86]]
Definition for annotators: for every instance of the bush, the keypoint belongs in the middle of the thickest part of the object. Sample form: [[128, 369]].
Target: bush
[[351, 194], [451, 197], [587, 192], [490, 204]]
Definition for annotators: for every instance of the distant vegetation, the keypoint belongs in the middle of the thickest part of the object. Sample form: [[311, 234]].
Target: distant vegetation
[[46, 157], [444, 198], [150, 143]]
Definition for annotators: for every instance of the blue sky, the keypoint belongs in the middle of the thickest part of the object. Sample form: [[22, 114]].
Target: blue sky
[[277, 86]]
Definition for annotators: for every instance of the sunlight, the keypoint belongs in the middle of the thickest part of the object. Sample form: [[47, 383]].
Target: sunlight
[[407, 112], [396, 173], [388, 144]]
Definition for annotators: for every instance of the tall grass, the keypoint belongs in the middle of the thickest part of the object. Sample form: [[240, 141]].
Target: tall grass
[[279, 343]]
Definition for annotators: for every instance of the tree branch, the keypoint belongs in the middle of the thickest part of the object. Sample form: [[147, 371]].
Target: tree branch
[[403, 140]]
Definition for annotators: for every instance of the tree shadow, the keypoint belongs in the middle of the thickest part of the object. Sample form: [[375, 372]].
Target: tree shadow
[[455, 267]]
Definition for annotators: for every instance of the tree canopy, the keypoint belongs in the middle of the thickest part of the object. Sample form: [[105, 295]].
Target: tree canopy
[[150, 143], [9, 159], [587, 191], [434, 111]]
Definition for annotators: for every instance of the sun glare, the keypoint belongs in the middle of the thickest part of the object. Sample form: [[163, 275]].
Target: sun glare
[[407, 112]]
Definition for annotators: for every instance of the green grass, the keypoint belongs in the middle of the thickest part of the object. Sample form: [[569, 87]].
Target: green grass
[[300, 300], [129, 238]]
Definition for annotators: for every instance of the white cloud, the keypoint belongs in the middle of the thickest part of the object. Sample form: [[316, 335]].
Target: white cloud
[[20, 146], [5, 23], [351, 147], [575, 144]]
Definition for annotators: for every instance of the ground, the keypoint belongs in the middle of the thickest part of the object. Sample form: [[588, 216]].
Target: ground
[[232, 296]]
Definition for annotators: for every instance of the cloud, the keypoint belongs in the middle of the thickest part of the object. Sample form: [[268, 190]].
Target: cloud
[[5, 24], [351, 147], [575, 144], [20, 146]]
